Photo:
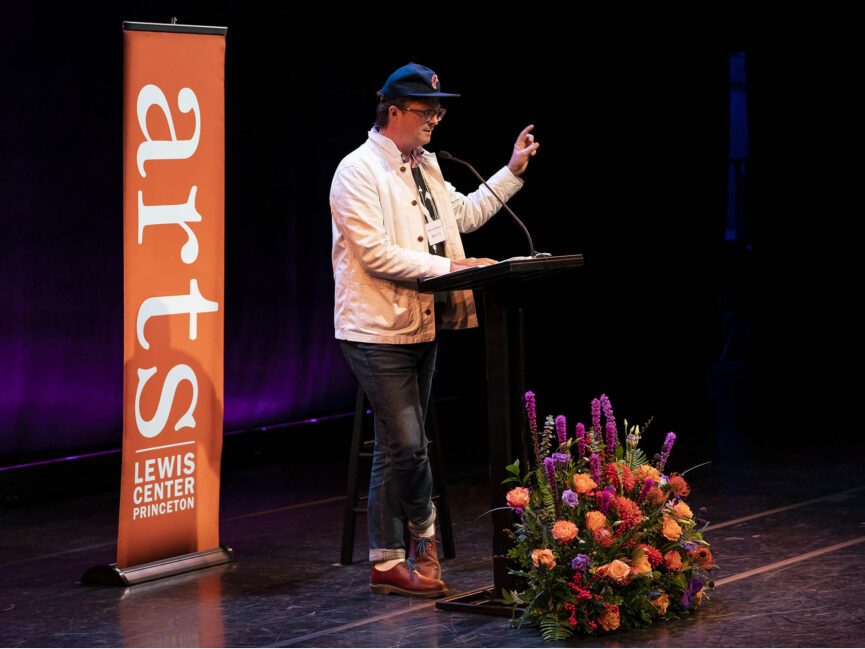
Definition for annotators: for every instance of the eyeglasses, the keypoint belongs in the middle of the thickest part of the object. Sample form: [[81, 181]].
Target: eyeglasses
[[428, 113]]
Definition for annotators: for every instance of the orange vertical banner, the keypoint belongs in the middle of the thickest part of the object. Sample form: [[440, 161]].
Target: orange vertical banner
[[173, 273]]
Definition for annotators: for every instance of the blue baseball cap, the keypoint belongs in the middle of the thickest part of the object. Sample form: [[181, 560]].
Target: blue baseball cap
[[413, 80]]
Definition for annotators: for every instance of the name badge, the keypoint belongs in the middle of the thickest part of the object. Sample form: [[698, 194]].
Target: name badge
[[435, 232]]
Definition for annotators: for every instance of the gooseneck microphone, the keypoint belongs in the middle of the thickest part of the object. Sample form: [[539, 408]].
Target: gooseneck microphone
[[532, 252]]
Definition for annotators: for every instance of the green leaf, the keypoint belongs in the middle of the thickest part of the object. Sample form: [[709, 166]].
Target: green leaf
[[552, 629], [549, 504], [696, 466], [494, 509], [638, 458]]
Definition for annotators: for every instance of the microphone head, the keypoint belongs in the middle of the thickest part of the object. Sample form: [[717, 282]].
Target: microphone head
[[445, 155]]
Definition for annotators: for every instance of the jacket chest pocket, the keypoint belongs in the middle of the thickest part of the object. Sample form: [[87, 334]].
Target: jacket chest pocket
[[408, 221]]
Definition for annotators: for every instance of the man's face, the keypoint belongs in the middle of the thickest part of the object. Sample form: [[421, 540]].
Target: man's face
[[415, 128]]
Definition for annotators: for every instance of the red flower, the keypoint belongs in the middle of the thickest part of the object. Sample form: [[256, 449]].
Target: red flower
[[629, 511], [678, 486], [655, 557], [612, 473]]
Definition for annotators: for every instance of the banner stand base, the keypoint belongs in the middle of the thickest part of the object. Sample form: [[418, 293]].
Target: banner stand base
[[111, 575]]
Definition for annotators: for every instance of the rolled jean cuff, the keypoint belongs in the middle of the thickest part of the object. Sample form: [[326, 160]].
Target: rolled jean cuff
[[424, 525], [386, 554]]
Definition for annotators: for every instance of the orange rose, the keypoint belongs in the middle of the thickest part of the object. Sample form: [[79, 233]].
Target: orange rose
[[583, 483], [645, 471], [543, 557], [681, 510], [702, 556], [595, 520], [661, 603], [609, 619], [518, 497], [678, 486], [640, 563], [617, 570], [673, 561], [565, 531], [671, 530]]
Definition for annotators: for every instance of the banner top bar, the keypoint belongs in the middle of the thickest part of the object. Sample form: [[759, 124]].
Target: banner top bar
[[182, 29]]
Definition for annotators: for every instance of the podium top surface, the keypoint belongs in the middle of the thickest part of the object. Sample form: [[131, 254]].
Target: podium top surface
[[516, 269]]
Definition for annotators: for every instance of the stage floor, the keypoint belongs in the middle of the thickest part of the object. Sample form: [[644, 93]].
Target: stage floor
[[789, 539]]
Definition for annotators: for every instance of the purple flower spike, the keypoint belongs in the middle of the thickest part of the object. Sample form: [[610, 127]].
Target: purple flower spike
[[665, 452], [581, 440], [595, 468], [531, 409], [608, 410], [550, 469], [609, 427], [648, 485], [532, 412], [606, 499], [596, 415], [562, 429]]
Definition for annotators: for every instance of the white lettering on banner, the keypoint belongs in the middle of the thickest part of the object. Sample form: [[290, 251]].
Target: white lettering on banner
[[193, 304], [164, 485], [179, 214], [169, 467], [172, 149], [165, 507], [152, 427]]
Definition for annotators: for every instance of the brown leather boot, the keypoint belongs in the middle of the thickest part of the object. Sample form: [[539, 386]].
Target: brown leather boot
[[404, 581], [423, 552]]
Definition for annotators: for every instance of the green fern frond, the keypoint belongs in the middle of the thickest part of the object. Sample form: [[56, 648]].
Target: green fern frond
[[549, 505], [552, 629], [638, 458]]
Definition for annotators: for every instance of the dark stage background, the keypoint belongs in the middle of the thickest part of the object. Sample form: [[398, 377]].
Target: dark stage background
[[712, 338]]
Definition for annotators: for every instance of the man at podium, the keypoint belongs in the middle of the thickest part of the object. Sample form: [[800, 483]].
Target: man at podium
[[396, 220]]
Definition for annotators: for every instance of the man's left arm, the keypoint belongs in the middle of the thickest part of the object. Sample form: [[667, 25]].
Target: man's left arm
[[474, 210]]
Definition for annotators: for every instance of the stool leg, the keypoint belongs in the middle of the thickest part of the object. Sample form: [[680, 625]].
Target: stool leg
[[349, 515]]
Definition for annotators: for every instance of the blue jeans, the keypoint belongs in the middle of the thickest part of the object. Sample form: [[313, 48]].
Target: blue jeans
[[397, 381]]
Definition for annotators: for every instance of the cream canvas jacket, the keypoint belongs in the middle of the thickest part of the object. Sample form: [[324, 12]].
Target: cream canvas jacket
[[380, 246]]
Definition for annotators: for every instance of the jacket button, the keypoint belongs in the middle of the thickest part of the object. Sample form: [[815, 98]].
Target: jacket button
[[414, 202], [420, 238], [402, 169], [427, 312]]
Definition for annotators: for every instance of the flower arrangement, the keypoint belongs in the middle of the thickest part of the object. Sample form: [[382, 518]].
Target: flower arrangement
[[605, 539]]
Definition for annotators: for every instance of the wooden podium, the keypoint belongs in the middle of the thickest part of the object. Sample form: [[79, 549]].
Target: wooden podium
[[501, 285]]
